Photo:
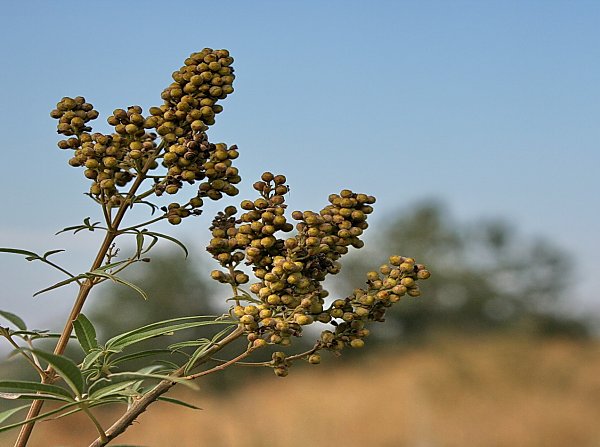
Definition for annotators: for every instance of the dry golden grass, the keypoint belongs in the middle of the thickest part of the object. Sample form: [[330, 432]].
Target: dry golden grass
[[491, 391]]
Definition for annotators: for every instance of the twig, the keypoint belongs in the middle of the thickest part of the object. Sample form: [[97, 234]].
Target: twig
[[220, 367]]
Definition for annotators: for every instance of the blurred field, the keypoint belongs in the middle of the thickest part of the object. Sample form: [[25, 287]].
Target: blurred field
[[493, 391]]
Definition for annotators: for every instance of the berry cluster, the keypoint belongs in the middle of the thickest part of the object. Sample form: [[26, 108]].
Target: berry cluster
[[190, 106], [252, 237], [395, 280], [191, 101], [291, 270], [198, 159], [73, 114]]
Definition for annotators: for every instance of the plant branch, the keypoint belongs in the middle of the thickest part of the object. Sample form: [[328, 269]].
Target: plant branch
[[140, 405], [220, 367], [84, 290]]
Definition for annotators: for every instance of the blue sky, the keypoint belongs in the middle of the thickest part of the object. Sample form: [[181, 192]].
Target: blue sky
[[490, 106]]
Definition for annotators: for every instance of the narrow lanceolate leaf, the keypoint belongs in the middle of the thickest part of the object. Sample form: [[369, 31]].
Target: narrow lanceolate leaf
[[137, 375], [189, 344], [196, 356], [35, 334], [85, 332], [35, 387], [139, 240], [153, 242], [50, 253], [140, 354], [30, 396], [178, 402], [37, 418], [18, 251], [66, 368], [160, 328], [120, 281], [170, 238], [60, 284], [8, 413], [202, 349], [14, 319], [74, 227], [87, 225], [113, 389]]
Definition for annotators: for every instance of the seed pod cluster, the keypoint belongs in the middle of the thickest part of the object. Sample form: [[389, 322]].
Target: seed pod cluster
[[188, 161], [291, 270], [384, 288], [191, 100], [252, 237], [108, 159], [175, 212], [190, 106], [73, 114], [224, 248]]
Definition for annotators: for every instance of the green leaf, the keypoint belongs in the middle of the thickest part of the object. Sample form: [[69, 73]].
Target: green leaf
[[135, 385], [120, 281], [152, 376], [85, 332], [159, 328], [30, 396], [179, 402], [87, 225], [195, 356], [14, 319], [8, 413], [60, 284], [152, 206], [74, 227], [35, 334], [139, 240], [202, 349], [91, 358], [170, 238], [140, 354], [152, 244], [34, 387], [17, 251], [37, 418], [113, 389], [67, 369], [51, 252], [167, 365]]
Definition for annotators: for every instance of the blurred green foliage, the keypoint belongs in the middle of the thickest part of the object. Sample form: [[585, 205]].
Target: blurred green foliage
[[485, 276]]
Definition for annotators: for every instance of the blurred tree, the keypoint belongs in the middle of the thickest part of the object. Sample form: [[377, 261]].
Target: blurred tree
[[483, 275]]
